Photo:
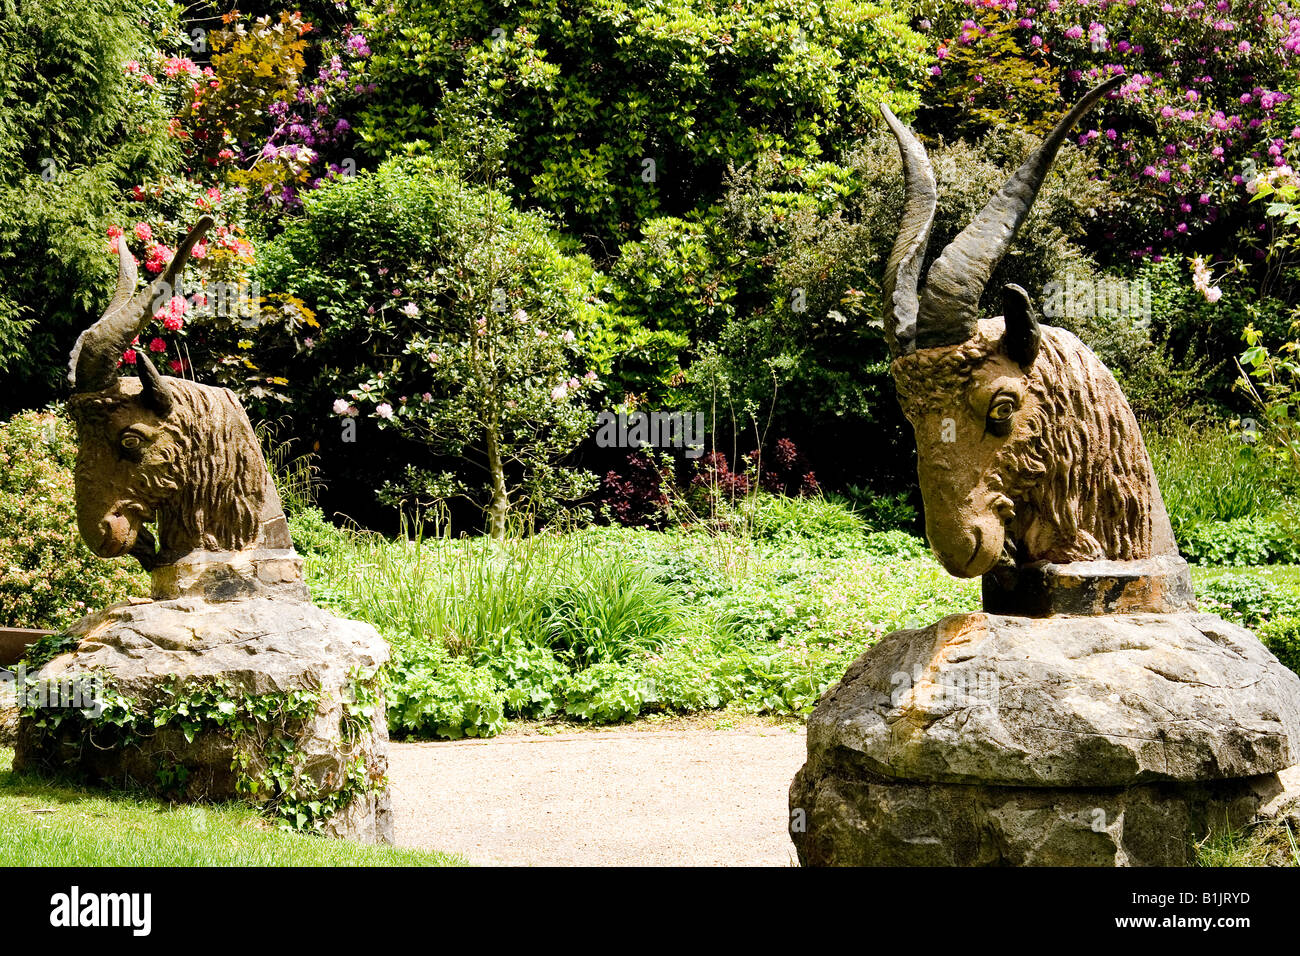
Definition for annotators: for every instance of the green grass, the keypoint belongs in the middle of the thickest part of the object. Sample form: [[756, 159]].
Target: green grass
[[44, 823], [1209, 474], [1273, 844]]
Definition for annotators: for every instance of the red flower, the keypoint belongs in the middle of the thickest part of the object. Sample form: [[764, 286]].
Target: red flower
[[129, 356], [157, 345]]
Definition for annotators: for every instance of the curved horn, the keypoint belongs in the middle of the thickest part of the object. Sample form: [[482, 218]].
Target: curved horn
[[153, 389], [1023, 336], [93, 365], [920, 199], [949, 308]]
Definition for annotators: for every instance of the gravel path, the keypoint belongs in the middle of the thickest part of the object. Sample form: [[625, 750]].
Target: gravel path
[[643, 797]]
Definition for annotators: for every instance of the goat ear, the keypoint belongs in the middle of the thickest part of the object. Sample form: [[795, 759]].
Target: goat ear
[[153, 390], [1023, 336]]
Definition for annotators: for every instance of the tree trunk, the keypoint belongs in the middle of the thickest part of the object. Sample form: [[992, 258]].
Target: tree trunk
[[500, 503]]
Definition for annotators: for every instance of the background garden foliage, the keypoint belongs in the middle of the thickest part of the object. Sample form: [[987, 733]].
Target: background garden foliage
[[462, 230]]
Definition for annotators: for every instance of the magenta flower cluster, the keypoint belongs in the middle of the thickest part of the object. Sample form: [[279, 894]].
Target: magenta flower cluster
[[1207, 100]]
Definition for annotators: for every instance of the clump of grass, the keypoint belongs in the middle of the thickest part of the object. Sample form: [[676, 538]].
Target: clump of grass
[[1267, 844], [1208, 473], [474, 595]]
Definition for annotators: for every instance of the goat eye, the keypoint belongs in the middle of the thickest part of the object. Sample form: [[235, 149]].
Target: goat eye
[[130, 442], [1001, 411]]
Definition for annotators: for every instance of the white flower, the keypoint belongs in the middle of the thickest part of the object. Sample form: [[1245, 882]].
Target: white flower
[[521, 315], [559, 391], [340, 406], [567, 336], [384, 410], [411, 309]]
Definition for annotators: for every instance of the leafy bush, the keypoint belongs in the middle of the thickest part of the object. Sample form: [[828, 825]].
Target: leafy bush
[[478, 381], [880, 512], [434, 695], [1208, 477], [313, 535], [1242, 541], [608, 692], [1282, 637], [1251, 600], [48, 577], [1210, 87], [592, 90], [76, 131], [531, 678], [604, 609], [777, 517], [896, 544]]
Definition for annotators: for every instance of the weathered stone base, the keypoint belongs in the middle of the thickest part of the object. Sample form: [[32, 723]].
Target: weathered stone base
[[985, 739], [261, 651], [855, 821]]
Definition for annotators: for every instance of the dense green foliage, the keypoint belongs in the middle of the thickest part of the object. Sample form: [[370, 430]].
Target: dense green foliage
[[76, 132], [623, 111], [48, 577], [466, 326]]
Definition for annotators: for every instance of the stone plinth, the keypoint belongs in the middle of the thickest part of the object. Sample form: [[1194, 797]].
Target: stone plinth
[[281, 698], [990, 739], [1160, 585]]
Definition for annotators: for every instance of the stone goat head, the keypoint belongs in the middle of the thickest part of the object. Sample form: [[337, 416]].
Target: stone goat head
[[1028, 450], [162, 449]]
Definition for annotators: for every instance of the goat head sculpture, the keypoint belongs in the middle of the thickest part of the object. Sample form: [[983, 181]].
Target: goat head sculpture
[[162, 449], [1027, 449]]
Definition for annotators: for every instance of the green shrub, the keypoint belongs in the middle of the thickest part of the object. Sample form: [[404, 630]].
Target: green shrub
[[48, 577], [592, 89], [1249, 599], [607, 608], [777, 517], [1226, 504], [1252, 540], [881, 512], [485, 322], [77, 131], [896, 545], [430, 694], [688, 679], [608, 692], [1282, 637], [314, 535], [531, 678]]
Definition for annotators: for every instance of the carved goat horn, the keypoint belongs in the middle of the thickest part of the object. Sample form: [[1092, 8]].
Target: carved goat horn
[[93, 365], [153, 389], [903, 273], [948, 309], [1022, 337]]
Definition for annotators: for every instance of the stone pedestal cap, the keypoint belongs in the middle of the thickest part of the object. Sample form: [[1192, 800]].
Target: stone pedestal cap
[[222, 576], [1160, 585]]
